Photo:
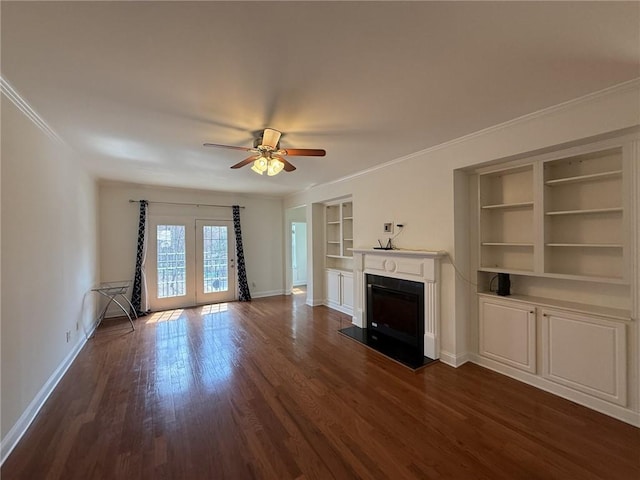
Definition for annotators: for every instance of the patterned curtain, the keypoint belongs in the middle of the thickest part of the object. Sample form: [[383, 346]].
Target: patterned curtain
[[243, 286], [139, 280]]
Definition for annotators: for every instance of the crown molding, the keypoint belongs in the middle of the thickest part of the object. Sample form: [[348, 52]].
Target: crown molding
[[620, 87], [25, 108]]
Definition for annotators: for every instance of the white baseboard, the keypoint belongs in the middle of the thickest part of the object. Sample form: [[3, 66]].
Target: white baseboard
[[315, 302], [454, 360], [340, 308], [624, 414], [268, 293], [14, 435]]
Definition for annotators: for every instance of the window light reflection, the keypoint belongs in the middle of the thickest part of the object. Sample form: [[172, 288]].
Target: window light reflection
[[215, 308], [166, 316]]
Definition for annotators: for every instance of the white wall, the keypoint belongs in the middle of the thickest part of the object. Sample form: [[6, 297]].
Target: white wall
[[49, 251], [261, 220], [418, 190]]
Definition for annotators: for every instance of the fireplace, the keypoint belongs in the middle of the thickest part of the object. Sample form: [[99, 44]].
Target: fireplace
[[398, 291], [395, 309]]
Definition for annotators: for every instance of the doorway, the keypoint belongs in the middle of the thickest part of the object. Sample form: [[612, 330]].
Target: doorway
[[298, 254], [190, 262]]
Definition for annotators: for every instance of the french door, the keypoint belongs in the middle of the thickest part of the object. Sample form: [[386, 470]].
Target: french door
[[190, 262]]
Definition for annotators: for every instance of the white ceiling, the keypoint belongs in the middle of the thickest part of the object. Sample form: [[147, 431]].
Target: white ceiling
[[137, 88]]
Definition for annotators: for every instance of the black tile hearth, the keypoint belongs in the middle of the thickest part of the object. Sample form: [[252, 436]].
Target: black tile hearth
[[390, 347]]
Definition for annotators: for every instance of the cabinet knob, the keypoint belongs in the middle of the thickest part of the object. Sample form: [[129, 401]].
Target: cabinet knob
[[531, 311]]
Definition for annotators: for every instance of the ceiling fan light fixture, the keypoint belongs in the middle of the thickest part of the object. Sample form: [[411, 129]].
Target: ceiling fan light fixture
[[260, 165], [275, 167]]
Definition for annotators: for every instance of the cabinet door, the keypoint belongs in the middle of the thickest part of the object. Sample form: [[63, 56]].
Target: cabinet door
[[508, 333], [347, 290], [586, 353], [333, 287]]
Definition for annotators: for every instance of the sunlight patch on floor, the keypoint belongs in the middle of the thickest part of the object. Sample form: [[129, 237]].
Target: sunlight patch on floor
[[298, 291], [215, 308], [166, 316]]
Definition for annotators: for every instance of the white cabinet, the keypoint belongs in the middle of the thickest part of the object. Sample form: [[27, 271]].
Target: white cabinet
[[347, 291], [508, 333], [339, 289], [569, 349], [586, 353]]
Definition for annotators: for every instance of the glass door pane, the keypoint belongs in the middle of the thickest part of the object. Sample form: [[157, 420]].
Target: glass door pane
[[171, 261], [215, 262]]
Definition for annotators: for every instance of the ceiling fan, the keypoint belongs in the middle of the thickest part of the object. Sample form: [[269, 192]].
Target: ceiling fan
[[267, 156]]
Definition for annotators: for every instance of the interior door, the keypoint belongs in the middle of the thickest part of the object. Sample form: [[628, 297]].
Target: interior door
[[215, 262]]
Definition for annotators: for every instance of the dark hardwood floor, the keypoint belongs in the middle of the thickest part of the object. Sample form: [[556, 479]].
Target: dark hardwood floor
[[269, 389]]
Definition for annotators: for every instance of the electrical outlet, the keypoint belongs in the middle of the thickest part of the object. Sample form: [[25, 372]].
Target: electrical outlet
[[77, 326], [388, 227], [68, 336]]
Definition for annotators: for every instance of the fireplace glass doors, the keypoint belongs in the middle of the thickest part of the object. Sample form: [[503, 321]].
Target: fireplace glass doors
[[395, 308]]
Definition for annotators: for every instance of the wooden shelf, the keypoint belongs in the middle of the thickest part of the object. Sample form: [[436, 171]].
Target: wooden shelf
[[337, 222], [333, 242], [511, 271], [586, 211], [585, 245], [584, 178], [558, 276], [614, 313], [506, 244], [508, 205], [347, 218]]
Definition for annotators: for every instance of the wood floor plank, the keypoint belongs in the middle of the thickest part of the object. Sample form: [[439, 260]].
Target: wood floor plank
[[270, 390]]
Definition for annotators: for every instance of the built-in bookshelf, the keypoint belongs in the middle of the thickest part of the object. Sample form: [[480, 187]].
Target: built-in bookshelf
[[557, 217], [339, 235], [584, 212], [507, 219]]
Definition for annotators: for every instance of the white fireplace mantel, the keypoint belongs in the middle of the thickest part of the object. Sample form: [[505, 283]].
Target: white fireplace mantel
[[415, 265]]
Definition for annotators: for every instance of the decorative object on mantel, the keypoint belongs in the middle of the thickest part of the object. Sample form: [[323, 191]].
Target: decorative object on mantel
[[389, 245], [386, 247]]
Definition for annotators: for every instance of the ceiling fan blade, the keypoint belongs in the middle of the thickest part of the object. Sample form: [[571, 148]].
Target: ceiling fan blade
[[244, 149], [270, 137], [288, 167], [246, 161], [304, 152]]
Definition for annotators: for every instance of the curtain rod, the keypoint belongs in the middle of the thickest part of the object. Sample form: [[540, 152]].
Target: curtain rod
[[188, 204]]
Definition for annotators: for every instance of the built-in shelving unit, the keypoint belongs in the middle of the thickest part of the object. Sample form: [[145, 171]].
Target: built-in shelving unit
[[339, 235], [561, 224], [339, 255], [561, 217], [506, 199], [584, 212]]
